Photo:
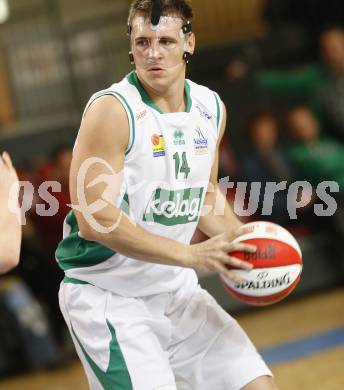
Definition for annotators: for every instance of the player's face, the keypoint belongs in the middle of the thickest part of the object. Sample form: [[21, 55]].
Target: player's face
[[158, 54], [332, 48]]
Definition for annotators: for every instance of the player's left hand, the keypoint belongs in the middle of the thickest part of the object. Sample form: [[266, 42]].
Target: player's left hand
[[8, 177], [214, 254]]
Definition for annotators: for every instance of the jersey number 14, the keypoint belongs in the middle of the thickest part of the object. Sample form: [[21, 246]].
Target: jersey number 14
[[181, 165]]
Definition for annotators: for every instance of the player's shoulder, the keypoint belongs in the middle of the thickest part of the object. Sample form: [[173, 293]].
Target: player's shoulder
[[120, 98], [103, 125], [205, 97], [199, 88], [123, 90]]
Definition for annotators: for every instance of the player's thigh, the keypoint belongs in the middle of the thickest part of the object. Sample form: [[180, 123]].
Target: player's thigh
[[114, 340], [216, 353]]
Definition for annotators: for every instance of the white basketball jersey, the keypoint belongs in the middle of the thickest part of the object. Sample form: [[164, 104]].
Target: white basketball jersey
[[166, 174]]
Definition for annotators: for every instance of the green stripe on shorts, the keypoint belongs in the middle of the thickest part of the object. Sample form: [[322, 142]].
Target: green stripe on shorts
[[117, 375]]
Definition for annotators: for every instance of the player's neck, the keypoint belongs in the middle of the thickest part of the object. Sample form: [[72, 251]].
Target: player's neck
[[171, 99]]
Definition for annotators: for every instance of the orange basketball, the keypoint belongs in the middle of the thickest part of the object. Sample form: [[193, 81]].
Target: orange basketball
[[277, 265]]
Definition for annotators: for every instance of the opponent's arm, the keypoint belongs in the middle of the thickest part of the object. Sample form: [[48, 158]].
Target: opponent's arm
[[104, 134], [10, 229], [221, 217]]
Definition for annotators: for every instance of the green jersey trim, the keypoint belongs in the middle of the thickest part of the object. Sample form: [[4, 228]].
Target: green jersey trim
[[117, 375], [125, 204], [218, 113], [132, 122], [67, 279], [76, 252], [130, 114], [188, 96], [134, 80]]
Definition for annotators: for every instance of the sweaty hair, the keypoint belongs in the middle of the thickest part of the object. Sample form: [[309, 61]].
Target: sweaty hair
[[181, 8]]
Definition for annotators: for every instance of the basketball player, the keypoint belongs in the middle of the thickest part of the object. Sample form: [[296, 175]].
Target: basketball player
[[131, 299], [10, 229]]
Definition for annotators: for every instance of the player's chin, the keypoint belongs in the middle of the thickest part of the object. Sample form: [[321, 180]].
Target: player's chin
[[159, 79]]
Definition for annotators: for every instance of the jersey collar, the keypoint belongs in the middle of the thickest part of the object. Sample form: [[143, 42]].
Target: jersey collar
[[134, 80]]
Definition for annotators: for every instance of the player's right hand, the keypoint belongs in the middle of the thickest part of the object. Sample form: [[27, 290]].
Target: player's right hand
[[214, 254]]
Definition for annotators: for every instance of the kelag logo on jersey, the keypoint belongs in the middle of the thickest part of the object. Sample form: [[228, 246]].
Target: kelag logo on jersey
[[158, 145], [170, 208], [200, 142]]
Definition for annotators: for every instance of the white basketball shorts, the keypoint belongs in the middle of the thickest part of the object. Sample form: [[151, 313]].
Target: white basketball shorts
[[183, 341]]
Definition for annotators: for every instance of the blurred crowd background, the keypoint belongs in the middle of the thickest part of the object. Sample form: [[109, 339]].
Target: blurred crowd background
[[278, 66]]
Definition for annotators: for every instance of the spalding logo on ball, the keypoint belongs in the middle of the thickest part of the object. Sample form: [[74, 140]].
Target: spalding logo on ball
[[277, 265]]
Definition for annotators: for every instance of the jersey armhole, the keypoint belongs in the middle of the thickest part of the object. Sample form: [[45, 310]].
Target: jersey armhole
[[128, 110], [219, 112]]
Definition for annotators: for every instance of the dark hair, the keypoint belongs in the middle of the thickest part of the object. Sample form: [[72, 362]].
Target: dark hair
[[328, 28], [256, 117], [181, 8], [297, 107], [57, 151]]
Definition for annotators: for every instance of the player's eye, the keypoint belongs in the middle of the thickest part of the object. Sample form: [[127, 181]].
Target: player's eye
[[142, 42], [167, 42]]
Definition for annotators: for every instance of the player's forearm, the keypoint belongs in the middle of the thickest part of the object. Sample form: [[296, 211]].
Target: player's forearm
[[133, 241], [220, 216]]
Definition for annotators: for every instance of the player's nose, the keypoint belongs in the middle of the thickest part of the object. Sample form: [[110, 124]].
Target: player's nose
[[154, 50]]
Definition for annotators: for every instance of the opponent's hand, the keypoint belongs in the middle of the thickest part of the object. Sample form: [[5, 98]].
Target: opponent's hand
[[8, 177], [214, 254]]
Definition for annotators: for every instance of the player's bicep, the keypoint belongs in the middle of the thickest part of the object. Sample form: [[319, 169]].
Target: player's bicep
[[98, 159]]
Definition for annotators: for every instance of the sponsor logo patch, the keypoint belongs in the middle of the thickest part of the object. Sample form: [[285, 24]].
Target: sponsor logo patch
[[200, 142], [158, 145], [178, 207], [141, 114], [203, 112], [178, 138]]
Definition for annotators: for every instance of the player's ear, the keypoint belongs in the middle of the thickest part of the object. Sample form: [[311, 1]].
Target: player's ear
[[131, 58], [191, 43]]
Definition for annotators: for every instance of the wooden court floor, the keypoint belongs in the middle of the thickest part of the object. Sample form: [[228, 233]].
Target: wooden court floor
[[267, 327]]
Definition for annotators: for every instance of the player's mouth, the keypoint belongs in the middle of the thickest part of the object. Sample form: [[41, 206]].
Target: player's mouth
[[156, 70]]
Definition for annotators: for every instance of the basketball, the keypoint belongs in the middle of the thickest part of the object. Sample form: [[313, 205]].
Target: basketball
[[277, 265]]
